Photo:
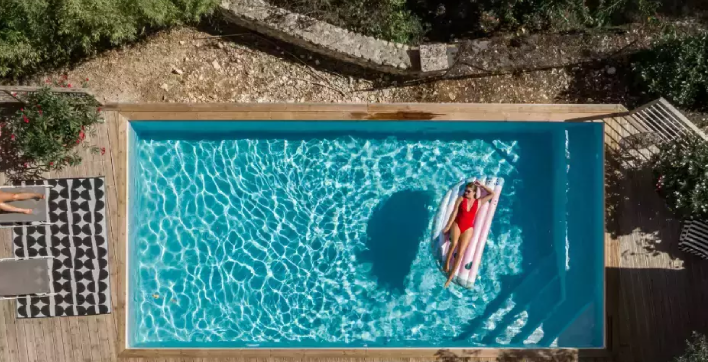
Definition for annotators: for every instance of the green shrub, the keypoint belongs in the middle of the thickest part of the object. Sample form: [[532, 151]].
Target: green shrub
[[45, 133], [35, 33], [677, 68], [681, 175], [696, 349]]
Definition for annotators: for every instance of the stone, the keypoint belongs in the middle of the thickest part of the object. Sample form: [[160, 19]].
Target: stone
[[433, 57], [611, 70], [216, 65], [480, 44], [220, 45], [317, 62], [181, 42], [452, 96], [177, 71], [165, 87]]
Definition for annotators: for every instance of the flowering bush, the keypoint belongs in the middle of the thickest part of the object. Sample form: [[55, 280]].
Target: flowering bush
[[45, 133], [681, 175], [696, 349]]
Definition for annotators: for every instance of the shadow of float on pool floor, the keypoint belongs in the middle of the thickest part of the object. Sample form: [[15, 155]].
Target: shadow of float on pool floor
[[394, 230]]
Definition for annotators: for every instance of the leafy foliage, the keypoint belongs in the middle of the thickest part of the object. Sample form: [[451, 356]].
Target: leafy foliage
[[681, 174], [696, 349], [443, 20], [51, 32], [677, 68], [45, 133]]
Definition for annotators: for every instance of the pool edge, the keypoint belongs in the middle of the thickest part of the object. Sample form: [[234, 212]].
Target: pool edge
[[534, 113]]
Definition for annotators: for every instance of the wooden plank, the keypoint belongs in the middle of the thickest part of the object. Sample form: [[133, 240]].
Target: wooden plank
[[27, 336], [61, 337], [43, 339], [4, 340], [586, 109], [329, 116], [55, 339], [120, 135], [124, 108]]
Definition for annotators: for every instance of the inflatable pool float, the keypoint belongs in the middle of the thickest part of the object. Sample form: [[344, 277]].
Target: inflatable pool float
[[466, 274]]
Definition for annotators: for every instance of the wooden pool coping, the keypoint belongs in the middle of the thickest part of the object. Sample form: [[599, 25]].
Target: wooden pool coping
[[118, 117]]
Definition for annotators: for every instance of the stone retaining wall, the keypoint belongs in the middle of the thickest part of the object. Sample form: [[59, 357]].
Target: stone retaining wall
[[322, 37]]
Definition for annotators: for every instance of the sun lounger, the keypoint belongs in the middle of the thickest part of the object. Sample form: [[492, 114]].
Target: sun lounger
[[25, 277], [40, 214]]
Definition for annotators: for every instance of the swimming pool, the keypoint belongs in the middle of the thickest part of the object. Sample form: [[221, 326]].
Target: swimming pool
[[317, 234]]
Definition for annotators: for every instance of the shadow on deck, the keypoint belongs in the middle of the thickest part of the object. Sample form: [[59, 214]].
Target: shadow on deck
[[662, 292]]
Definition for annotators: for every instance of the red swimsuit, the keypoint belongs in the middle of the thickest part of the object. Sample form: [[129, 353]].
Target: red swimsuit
[[465, 219]]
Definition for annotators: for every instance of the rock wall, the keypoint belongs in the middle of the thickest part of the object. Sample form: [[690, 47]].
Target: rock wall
[[322, 37]]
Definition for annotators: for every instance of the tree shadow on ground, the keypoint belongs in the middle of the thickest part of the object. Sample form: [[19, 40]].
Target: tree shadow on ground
[[632, 205], [394, 231], [593, 83], [659, 308], [511, 355]]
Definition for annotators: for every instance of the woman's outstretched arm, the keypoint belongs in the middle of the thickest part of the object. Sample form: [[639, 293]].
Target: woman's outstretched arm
[[490, 193]]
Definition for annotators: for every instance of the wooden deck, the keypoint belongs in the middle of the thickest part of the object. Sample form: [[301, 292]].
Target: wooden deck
[[656, 295]]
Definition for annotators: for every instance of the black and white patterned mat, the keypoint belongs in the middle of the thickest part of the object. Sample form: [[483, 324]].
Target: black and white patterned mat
[[77, 239]]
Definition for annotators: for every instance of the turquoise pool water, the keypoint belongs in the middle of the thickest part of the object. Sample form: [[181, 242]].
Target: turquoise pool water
[[318, 234]]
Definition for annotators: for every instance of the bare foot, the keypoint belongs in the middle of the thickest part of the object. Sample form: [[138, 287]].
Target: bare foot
[[41, 197], [27, 211], [447, 283]]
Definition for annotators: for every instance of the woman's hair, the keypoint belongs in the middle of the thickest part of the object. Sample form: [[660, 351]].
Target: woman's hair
[[470, 185]]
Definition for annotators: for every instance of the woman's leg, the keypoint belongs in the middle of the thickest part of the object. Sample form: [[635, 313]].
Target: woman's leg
[[10, 208], [454, 237], [9, 196], [464, 242]]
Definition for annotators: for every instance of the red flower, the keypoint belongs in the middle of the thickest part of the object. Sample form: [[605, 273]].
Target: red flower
[[22, 109], [40, 112], [26, 164], [51, 164], [103, 151], [25, 118], [78, 141], [98, 109], [68, 85], [12, 137], [48, 80], [82, 135], [87, 79]]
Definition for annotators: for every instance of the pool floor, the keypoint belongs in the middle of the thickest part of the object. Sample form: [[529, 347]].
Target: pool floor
[[318, 234]]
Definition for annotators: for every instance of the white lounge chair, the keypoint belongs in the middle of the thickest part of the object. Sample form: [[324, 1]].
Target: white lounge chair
[[25, 277], [40, 208]]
